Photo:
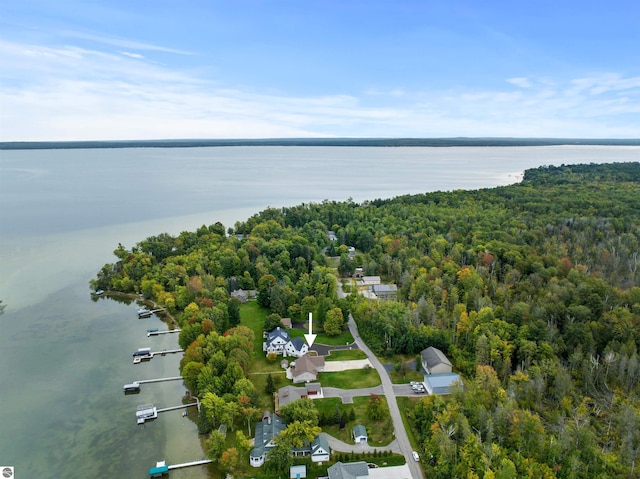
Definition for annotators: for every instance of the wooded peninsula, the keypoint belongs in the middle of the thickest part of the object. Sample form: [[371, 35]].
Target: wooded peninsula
[[531, 290]]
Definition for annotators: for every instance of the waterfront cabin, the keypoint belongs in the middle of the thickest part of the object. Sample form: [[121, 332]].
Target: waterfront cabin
[[146, 412]]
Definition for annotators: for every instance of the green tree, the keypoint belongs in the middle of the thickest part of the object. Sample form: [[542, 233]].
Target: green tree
[[334, 322], [215, 445], [376, 408], [302, 410], [270, 387]]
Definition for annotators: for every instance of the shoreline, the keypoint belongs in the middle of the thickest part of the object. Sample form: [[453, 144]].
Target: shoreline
[[164, 315]]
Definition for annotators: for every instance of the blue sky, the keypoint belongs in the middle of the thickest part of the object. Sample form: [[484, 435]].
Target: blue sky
[[142, 69]]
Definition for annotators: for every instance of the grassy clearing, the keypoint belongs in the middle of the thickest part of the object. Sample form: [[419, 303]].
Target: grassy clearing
[[346, 355], [380, 432], [343, 338], [351, 379], [406, 404]]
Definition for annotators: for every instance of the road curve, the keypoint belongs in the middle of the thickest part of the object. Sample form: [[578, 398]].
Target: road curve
[[400, 432]]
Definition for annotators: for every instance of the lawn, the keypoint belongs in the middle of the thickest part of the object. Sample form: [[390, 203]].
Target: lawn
[[380, 432], [351, 379], [408, 404], [339, 340], [253, 315], [346, 355]]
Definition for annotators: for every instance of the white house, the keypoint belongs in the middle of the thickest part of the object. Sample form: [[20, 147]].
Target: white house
[[359, 434], [276, 341], [320, 451], [296, 348]]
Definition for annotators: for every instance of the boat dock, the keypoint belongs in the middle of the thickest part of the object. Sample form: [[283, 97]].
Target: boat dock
[[135, 385], [148, 412], [181, 406], [156, 332], [145, 313], [148, 355], [162, 468]]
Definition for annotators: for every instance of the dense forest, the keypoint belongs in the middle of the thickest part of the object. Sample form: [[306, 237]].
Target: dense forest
[[531, 290]]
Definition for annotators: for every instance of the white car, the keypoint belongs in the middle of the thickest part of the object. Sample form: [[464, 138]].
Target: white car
[[415, 456]]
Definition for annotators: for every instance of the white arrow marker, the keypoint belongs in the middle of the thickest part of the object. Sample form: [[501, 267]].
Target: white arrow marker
[[310, 337]]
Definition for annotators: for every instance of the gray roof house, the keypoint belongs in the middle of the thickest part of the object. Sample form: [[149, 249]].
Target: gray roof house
[[289, 394], [359, 434], [276, 341], [296, 347], [306, 368], [434, 361], [349, 470], [266, 432], [320, 451], [385, 291], [440, 384]]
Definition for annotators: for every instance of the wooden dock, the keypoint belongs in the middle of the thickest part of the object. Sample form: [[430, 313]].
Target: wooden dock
[[162, 468], [168, 331], [181, 406], [138, 359], [189, 464]]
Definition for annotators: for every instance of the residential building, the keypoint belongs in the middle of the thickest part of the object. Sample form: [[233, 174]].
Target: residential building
[[306, 368], [385, 291], [349, 470], [434, 361], [266, 431], [278, 341], [296, 347], [359, 434], [440, 384], [289, 394], [370, 281], [320, 450]]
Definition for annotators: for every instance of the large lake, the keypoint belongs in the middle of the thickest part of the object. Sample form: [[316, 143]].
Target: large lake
[[64, 357]]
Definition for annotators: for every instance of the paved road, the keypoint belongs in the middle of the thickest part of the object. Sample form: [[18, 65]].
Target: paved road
[[338, 445], [400, 432]]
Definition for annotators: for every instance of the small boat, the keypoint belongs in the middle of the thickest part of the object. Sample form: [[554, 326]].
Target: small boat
[[144, 313], [99, 292], [152, 330]]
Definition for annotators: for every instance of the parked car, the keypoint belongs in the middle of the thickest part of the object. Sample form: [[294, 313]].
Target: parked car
[[415, 456]]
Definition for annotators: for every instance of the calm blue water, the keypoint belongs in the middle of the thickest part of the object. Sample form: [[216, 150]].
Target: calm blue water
[[65, 357]]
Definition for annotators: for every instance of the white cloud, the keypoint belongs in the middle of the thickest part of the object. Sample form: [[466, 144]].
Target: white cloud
[[71, 93], [520, 81], [132, 55]]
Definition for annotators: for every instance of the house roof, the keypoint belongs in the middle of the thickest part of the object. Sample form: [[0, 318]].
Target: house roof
[[385, 288], [350, 470], [286, 322], [270, 426], [298, 343], [277, 333], [319, 443], [308, 364], [298, 471], [433, 356], [359, 430], [441, 383]]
